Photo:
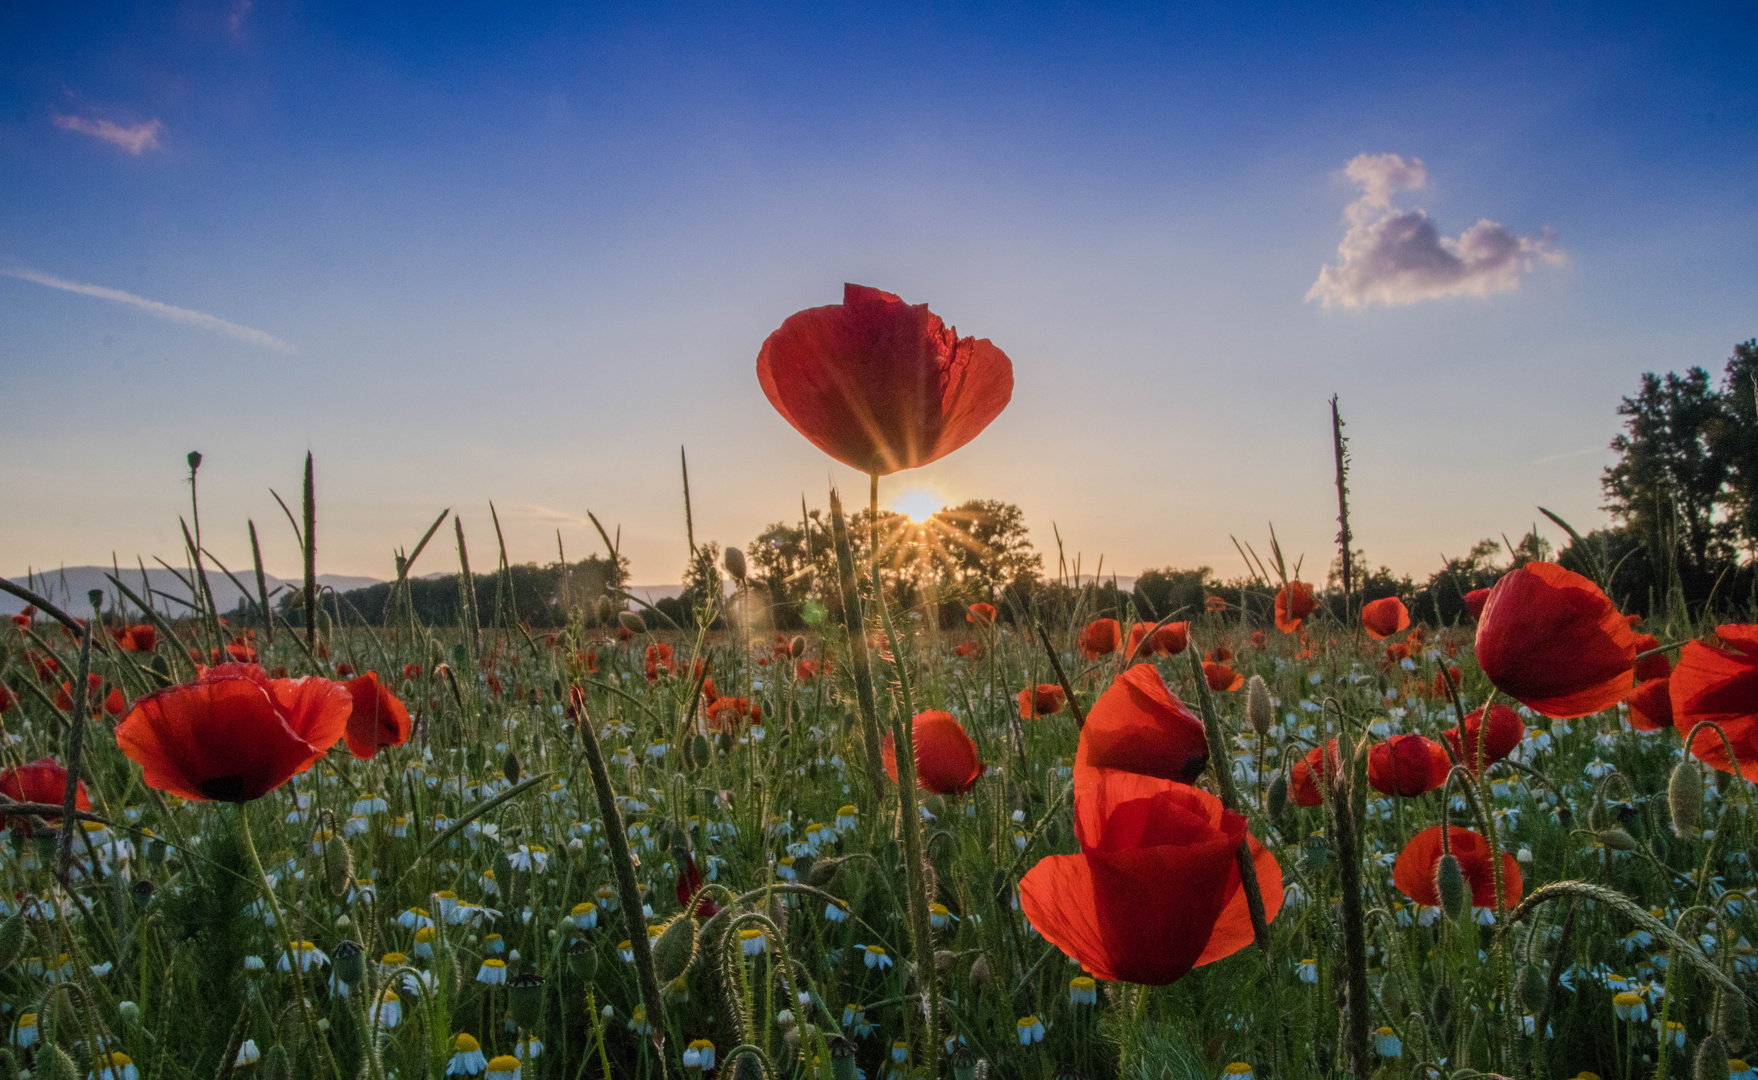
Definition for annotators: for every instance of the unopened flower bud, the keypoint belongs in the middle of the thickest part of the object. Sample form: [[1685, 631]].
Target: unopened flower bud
[[1730, 1020], [349, 958], [1684, 797], [797, 647], [1449, 882], [510, 767], [735, 564], [632, 622], [1277, 799], [1617, 839], [1257, 705], [979, 976], [525, 999], [1711, 1061]]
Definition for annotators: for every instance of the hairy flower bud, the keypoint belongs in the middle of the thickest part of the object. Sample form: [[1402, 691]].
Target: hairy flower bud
[[735, 564], [1711, 1062], [674, 949], [510, 767], [1684, 797], [1449, 882], [632, 622], [1277, 798], [1257, 705], [1730, 1019], [338, 865], [979, 976], [1617, 839]]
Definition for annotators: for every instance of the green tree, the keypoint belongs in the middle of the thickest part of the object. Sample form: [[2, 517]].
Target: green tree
[[1159, 593], [1669, 480], [982, 546]]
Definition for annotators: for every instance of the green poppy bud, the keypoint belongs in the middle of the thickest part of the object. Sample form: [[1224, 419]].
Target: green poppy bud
[[525, 999], [1711, 1061], [1258, 709], [674, 949], [632, 622], [735, 564], [1684, 797], [1730, 1019], [1617, 839], [1449, 882], [11, 941], [349, 958], [1277, 798]]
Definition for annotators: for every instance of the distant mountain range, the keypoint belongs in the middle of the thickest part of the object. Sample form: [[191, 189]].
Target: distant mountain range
[[68, 587]]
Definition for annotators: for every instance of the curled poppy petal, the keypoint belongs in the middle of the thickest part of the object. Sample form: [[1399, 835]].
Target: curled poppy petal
[[377, 718], [1720, 686], [1155, 888], [1656, 666], [946, 758], [1408, 765], [1221, 676], [42, 781], [1651, 705], [1294, 602], [1305, 775], [1383, 618], [1413, 873], [1046, 699], [881, 385], [1550, 639], [1505, 732], [1099, 638], [1140, 726], [1474, 601], [1168, 640]]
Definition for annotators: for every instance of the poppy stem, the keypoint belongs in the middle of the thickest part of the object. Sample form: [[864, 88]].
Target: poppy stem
[[1080, 717], [622, 867], [310, 552], [75, 744], [1222, 764], [1340, 446], [857, 648]]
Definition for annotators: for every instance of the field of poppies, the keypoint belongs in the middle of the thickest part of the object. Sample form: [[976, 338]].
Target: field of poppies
[[1081, 841]]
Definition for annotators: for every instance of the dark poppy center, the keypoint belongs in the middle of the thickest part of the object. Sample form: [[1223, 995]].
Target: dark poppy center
[[1193, 769], [225, 789]]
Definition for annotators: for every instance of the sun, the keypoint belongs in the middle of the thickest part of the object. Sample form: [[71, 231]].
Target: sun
[[917, 503]]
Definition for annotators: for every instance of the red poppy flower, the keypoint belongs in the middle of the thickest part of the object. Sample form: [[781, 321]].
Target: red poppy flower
[[1214, 605], [1046, 699], [1099, 638], [1304, 776], [980, 614], [344, 670], [1155, 890], [114, 703], [135, 638], [1651, 705], [8, 700], [881, 385], [1552, 641], [1408, 765], [728, 713], [377, 720], [1222, 677], [1416, 638], [1413, 873], [1720, 685], [592, 663], [42, 781], [946, 758], [1505, 732], [1474, 601], [234, 734], [968, 650], [1257, 639], [1651, 667], [23, 618], [1396, 652], [1441, 678], [411, 671], [1383, 618], [690, 883], [1290, 613], [1220, 654], [1138, 725]]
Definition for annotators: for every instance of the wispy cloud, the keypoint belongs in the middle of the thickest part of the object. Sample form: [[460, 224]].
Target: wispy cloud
[[235, 19], [198, 319], [543, 515], [1392, 256], [136, 140], [1568, 454]]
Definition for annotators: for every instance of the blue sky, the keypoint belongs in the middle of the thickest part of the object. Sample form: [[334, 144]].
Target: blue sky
[[523, 253]]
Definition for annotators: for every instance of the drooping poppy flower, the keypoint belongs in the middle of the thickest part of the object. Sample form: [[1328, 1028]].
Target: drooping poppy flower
[[1505, 732], [135, 638], [1551, 640], [967, 650], [1651, 667], [1383, 618], [1474, 601], [1099, 638], [946, 758], [234, 734], [377, 720], [1139, 725], [881, 385], [690, 883], [42, 781], [980, 614], [1294, 602], [1155, 889], [1168, 640], [1220, 654], [1222, 677], [807, 669], [1396, 653], [1651, 705], [1305, 775], [1046, 699], [1408, 765], [1720, 685], [1413, 873]]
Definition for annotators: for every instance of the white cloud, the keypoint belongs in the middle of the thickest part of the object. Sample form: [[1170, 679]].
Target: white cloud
[[154, 307], [136, 140], [1391, 256]]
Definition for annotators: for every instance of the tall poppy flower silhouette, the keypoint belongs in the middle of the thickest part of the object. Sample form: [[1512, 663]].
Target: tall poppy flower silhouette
[[377, 719], [881, 385], [946, 758], [1140, 726], [42, 781], [1720, 685], [1155, 890], [1413, 873], [1383, 618], [1551, 640], [234, 734], [1408, 765]]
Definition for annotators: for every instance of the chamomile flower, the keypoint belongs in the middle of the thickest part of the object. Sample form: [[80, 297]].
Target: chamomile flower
[[584, 916], [699, 1055], [390, 1009], [114, 1066], [529, 857], [25, 1032], [1238, 1070], [875, 956], [1307, 970], [505, 1067], [424, 943], [848, 817], [638, 1021], [467, 1059], [1083, 990], [836, 911], [1031, 1030], [752, 942], [493, 972], [1387, 1044], [1737, 1069], [900, 1051], [1630, 1007], [309, 956], [784, 869], [607, 898], [626, 951], [939, 916], [494, 944], [390, 962], [248, 1054], [414, 919], [1675, 1031]]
